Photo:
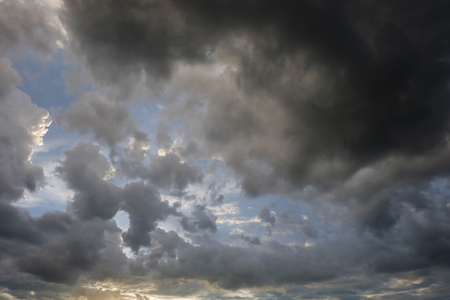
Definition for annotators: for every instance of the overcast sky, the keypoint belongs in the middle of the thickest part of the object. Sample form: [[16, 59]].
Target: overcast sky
[[248, 149]]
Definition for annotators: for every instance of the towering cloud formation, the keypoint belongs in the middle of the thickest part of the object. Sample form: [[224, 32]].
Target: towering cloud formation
[[86, 171], [23, 125]]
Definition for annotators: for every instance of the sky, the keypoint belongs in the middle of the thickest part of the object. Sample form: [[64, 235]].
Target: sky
[[251, 149]]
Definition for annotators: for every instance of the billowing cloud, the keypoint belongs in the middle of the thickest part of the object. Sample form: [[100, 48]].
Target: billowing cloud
[[86, 171], [145, 207], [298, 149], [10, 78], [109, 122], [168, 171], [307, 94], [27, 25], [23, 126], [55, 247]]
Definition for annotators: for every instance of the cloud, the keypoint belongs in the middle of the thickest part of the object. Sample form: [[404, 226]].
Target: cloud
[[16, 224], [27, 25], [23, 126], [339, 107], [308, 95], [145, 207], [163, 138], [155, 45], [10, 78], [169, 171], [237, 267], [266, 216], [55, 247], [86, 171], [202, 220], [109, 122]]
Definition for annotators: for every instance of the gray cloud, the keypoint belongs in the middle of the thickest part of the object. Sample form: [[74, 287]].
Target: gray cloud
[[202, 219], [237, 267], [342, 105], [337, 101], [145, 207], [55, 247], [417, 242], [266, 216], [86, 171], [169, 171], [154, 45], [252, 240], [109, 122], [300, 107], [16, 224], [27, 25], [23, 125], [10, 78], [163, 137]]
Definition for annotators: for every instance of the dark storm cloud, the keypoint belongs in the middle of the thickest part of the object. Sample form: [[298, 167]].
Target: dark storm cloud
[[342, 101], [122, 39], [166, 172], [316, 91]]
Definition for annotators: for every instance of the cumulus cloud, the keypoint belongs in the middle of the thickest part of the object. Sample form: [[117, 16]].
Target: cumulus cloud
[[86, 171], [10, 78], [108, 121], [55, 247], [145, 207], [167, 172], [27, 25], [23, 126]]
